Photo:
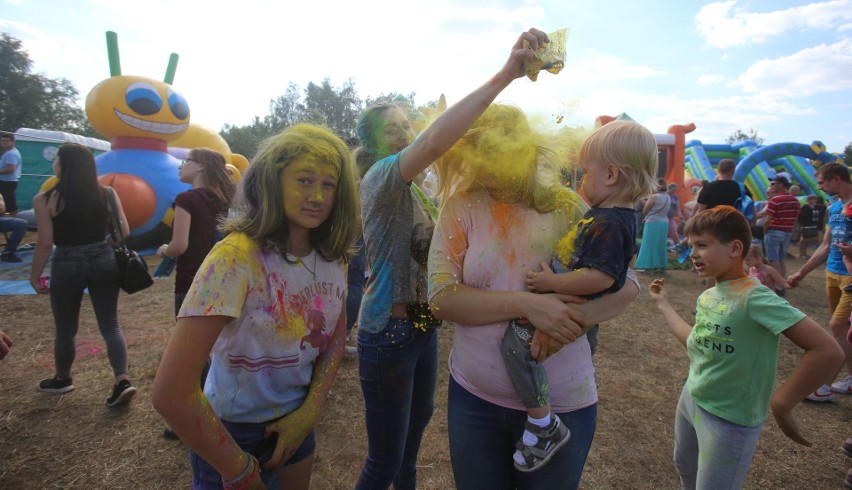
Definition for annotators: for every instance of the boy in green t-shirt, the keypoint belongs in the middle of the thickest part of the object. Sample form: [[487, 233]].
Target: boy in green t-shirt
[[733, 351]]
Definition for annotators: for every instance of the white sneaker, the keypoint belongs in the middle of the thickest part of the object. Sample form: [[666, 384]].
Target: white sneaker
[[822, 394], [844, 386]]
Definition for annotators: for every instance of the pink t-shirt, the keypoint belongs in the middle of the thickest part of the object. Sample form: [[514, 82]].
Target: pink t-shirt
[[490, 245]]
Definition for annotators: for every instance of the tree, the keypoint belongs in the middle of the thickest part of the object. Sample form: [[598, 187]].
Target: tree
[[336, 108], [35, 100], [847, 154], [285, 110], [321, 104], [739, 135], [245, 140]]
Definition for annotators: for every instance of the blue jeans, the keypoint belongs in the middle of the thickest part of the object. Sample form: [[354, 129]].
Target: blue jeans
[[355, 285], [17, 227], [248, 437], [399, 370], [483, 437], [74, 269]]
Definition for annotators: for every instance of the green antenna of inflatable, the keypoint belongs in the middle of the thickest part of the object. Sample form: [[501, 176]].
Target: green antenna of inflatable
[[112, 53], [171, 69]]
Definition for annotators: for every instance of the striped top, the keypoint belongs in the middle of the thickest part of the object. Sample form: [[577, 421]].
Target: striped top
[[784, 210]]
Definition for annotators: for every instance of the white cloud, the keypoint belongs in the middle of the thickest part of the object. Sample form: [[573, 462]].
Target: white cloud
[[823, 68], [607, 68], [714, 117], [707, 80], [724, 24]]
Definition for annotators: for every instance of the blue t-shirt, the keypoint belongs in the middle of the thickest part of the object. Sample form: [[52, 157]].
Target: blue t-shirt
[[11, 157], [606, 241], [397, 234], [841, 229]]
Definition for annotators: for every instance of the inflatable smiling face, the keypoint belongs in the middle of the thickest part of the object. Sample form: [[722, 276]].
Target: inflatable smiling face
[[137, 107]]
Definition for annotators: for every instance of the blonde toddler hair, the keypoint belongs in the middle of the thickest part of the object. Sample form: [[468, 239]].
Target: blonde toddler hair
[[632, 149]]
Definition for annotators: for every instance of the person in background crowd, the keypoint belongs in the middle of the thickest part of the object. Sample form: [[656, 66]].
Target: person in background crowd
[[75, 216], [16, 228], [833, 179], [781, 214], [653, 252], [10, 172]]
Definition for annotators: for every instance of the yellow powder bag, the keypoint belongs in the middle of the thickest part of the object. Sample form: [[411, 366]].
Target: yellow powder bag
[[549, 57]]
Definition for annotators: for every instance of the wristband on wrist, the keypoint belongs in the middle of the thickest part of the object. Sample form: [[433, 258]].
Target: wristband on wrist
[[248, 475]]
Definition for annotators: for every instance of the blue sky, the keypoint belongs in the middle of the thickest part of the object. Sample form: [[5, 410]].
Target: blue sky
[[781, 67]]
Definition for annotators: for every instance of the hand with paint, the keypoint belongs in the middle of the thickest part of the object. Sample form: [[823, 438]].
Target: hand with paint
[[550, 56], [524, 52], [292, 430]]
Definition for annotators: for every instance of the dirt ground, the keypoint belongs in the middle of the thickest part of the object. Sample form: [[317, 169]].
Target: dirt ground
[[75, 441]]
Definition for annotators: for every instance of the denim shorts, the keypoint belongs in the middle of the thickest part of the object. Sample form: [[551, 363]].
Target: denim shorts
[[248, 436], [775, 245]]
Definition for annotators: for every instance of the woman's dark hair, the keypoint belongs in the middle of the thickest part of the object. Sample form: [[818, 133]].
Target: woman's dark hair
[[78, 189]]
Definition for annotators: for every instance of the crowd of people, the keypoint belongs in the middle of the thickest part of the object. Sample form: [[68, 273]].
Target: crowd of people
[[273, 275]]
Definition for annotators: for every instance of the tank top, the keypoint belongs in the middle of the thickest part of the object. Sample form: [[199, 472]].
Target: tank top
[[77, 228]]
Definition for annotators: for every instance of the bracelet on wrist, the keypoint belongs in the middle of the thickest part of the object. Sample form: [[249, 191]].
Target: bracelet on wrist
[[251, 471]]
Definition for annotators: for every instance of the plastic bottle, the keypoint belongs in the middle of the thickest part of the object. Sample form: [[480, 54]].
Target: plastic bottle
[[166, 267]]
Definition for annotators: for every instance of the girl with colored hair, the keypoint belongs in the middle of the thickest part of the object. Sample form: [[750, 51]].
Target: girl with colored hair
[[75, 216], [269, 300], [397, 337]]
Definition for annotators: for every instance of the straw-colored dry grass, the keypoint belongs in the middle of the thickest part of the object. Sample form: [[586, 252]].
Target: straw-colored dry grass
[[74, 441]]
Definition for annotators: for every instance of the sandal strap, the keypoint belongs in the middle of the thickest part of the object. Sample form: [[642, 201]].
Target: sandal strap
[[529, 458]]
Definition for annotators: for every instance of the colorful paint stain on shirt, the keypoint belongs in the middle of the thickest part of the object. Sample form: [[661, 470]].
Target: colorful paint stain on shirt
[[283, 316], [490, 233]]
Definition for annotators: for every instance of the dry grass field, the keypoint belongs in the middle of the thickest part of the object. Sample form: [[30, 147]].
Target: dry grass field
[[75, 441]]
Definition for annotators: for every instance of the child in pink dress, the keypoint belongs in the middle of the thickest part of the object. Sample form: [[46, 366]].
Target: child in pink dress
[[759, 268]]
